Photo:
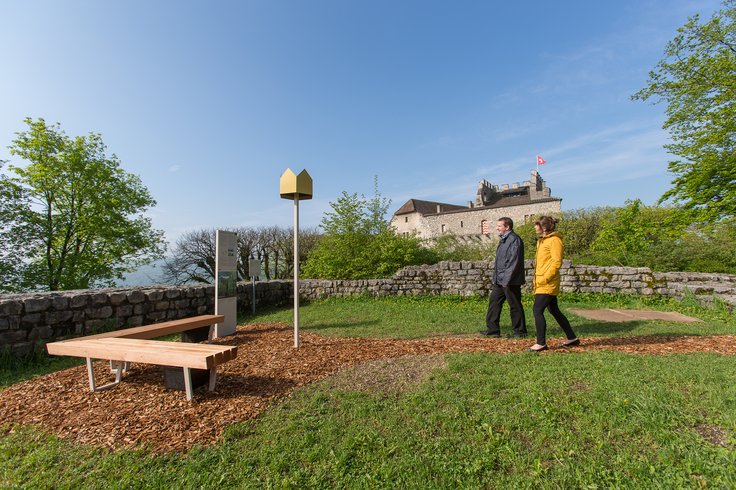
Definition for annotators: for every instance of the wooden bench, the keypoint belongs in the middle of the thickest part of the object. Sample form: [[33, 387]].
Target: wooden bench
[[157, 329], [134, 345]]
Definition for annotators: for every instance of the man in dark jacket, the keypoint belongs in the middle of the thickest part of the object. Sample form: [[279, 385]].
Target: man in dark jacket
[[508, 277]]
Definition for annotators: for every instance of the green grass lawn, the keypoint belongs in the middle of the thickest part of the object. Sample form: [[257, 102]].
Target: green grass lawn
[[603, 420], [415, 317], [577, 420]]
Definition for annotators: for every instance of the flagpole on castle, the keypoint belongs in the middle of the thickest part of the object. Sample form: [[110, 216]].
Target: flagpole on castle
[[540, 161]]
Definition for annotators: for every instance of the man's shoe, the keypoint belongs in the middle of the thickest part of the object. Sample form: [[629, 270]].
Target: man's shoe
[[490, 334]]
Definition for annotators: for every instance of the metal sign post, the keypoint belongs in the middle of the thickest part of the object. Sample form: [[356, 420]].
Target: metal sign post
[[296, 187], [254, 270]]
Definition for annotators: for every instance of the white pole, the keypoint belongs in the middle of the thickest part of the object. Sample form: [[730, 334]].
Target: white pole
[[296, 271], [253, 298]]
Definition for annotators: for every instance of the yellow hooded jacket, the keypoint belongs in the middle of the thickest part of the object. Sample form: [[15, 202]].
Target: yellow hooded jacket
[[547, 264]]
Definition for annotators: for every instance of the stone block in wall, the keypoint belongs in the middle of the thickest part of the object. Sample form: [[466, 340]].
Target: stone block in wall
[[135, 297], [4, 323], [40, 333], [154, 296], [60, 302], [98, 299], [12, 336], [135, 321], [117, 298], [162, 305], [99, 325], [11, 307], [155, 316], [142, 309], [173, 294], [30, 321], [182, 303], [55, 317], [33, 305], [96, 313], [79, 301], [124, 311]]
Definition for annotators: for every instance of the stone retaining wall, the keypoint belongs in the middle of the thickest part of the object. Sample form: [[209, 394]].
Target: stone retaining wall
[[33, 318]]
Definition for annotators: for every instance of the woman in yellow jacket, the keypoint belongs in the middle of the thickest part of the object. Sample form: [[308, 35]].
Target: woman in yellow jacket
[[547, 283]]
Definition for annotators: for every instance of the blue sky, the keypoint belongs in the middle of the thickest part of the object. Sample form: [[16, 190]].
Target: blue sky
[[209, 102]]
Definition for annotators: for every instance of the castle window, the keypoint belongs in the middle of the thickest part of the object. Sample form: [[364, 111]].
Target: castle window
[[443, 228], [406, 219], [461, 224], [484, 227]]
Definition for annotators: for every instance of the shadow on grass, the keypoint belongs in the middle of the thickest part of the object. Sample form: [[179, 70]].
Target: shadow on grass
[[622, 328]]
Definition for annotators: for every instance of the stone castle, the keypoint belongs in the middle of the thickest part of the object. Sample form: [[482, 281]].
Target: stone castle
[[520, 202]]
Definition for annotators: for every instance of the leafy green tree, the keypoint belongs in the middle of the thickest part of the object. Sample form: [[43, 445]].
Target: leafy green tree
[[78, 213], [359, 243], [697, 81], [636, 235], [12, 234], [451, 247]]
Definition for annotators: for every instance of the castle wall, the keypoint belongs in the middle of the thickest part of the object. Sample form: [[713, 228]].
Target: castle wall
[[463, 223], [409, 224]]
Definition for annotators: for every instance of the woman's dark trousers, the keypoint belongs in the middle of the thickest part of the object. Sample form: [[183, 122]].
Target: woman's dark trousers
[[549, 302]]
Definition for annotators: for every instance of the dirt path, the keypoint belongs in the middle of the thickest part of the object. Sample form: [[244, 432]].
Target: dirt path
[[141, 412]]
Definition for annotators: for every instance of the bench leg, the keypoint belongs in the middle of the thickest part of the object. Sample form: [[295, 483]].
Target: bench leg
[[188, 383], [118, 376], [213, 379], [91, 375], [126, 366]]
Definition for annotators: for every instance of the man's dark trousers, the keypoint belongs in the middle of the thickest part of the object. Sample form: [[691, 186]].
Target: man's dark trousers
[[499, 294]]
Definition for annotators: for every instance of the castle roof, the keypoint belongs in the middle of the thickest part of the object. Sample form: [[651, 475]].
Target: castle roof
[[430, 207], [426, 207]]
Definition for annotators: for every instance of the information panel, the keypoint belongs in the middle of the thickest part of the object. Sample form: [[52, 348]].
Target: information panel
[[226, 271]]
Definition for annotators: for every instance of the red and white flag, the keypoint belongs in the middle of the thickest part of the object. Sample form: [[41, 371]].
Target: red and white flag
[[540, 160]]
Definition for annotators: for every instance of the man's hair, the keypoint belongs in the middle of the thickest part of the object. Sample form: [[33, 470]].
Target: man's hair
[[508, 222], [547, 223]]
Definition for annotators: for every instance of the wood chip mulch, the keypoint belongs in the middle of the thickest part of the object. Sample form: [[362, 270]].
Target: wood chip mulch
[[141, 413]]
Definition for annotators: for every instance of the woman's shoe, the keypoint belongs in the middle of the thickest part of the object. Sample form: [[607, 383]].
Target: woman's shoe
[[571, 343], [538, 348]]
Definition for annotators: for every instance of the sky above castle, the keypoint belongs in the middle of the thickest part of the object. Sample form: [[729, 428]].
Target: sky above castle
[[209, 102]]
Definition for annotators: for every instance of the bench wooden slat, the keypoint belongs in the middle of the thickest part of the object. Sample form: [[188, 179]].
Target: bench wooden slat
[[156, 329], [181, 354]]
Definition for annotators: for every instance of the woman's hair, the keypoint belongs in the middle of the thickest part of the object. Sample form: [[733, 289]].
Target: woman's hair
[[547, 223]]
